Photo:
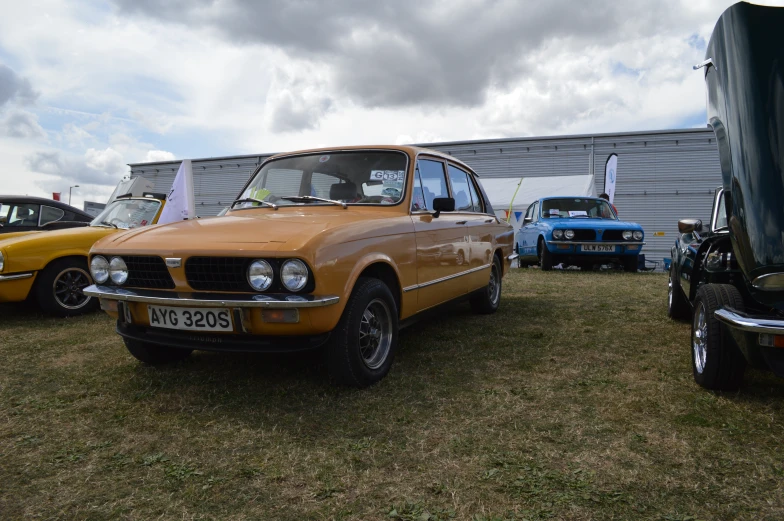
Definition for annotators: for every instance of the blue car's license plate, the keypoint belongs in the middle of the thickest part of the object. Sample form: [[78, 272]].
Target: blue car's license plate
[[598, 248]]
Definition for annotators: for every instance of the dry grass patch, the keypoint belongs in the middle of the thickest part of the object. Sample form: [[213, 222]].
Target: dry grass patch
[[574, 401]]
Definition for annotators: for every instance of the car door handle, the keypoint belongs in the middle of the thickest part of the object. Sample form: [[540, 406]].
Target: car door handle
[[488, 220], [460, 222]]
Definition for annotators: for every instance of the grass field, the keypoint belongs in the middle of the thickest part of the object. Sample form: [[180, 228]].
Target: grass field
[[574, 401]]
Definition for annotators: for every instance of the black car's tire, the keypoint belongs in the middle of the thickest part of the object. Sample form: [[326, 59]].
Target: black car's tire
[[154, 354], [488, 299], [677, 305], [59, 288], [363, 344], [630, 264], [716, 362], [545, 257]]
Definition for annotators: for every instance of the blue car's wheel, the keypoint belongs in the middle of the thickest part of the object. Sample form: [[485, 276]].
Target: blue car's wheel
[[545, 257]]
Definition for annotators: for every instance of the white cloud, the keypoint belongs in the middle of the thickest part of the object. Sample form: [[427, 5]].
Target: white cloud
[[17, 123], [158, 155]]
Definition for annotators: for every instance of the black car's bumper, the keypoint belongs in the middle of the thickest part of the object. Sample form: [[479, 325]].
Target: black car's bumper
[[755, 337]]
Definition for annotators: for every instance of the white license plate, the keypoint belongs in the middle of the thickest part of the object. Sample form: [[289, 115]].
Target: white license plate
[[598, 247], [190, 319]]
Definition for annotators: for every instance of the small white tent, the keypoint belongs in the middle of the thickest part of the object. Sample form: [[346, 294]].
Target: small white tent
[[511, 196]]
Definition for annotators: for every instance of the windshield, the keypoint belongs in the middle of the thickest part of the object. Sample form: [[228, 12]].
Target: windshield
[[128, 213], [363, 177], [578, 208]]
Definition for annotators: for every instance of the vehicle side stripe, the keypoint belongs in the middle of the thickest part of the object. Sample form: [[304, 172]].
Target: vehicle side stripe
[[444, 279]]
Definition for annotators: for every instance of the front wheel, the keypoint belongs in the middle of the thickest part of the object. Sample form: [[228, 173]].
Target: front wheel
[[59, 288], [545, 257], [154, 354], [716, 362], [364, 342], [677, 305], [487, 301]]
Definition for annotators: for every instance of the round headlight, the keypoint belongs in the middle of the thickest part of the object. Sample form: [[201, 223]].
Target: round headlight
[[637, 235], [569, 234], [557, 234], [260, 275], [627, 235], [99, 269], [118, 271], [294, 274]]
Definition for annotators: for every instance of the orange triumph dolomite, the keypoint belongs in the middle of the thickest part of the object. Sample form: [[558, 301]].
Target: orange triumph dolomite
[[329, 248]]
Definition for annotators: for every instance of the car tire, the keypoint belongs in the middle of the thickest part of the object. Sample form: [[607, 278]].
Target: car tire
[[154, 354], [677, 305], [364, 342], [487, 300], [59, 286], [717, 363], [545, 257], [630, 264]]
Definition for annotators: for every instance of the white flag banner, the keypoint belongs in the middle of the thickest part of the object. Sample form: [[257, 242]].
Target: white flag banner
[[179, 203], [610, 175]]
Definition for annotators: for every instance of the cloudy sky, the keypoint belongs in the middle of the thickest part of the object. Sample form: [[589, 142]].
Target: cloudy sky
[[89, 86]]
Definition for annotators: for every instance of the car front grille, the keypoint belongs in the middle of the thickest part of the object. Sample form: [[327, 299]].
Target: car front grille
[[612, 235], [147, 272], [218, 273], [584, 235]]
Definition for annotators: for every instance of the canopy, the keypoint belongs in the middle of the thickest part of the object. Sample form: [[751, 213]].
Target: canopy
[[511, 196]]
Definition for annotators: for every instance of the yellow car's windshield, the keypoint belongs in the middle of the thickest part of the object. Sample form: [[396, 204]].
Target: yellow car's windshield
[[128, 213]]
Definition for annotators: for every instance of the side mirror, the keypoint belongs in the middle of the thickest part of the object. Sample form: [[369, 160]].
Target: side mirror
[[689, 225], [443, 204], [527, 220]]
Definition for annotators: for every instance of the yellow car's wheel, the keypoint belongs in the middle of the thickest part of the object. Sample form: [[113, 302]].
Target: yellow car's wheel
[[59, 288]]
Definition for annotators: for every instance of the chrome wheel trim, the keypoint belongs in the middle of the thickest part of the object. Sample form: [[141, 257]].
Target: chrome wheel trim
[[67, 288], [375, 334], [494, 286], [669, 291], [699, 339]]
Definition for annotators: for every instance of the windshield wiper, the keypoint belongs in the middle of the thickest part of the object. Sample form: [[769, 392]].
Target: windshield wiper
[[107, 223], [313, 198], [252, 200]]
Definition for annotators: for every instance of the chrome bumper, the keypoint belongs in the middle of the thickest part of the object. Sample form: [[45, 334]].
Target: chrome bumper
[[512, 257], [15, 276], [601, 243], [210, 300], [750, 324]]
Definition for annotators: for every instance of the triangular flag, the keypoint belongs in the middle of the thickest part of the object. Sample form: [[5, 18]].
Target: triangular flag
[[179, 203], [518, 215]]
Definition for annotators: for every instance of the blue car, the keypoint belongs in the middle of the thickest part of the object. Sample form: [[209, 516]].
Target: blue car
[[577, 231]]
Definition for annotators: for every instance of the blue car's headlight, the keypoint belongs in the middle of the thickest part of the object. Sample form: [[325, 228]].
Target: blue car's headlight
[[557, 234], [637, 235], [569, 234], [627, 235]]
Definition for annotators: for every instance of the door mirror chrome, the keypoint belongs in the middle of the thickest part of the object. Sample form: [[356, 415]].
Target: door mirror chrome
[[443, 204], [707, 63], [528, 220], [689, 225]]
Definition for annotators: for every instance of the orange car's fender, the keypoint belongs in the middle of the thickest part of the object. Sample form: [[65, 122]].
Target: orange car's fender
[[406, 307]]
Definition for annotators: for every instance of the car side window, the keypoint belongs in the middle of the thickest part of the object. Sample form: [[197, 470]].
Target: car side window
[[476, 198], [721, 214], [535, 214], [418, 197], [529, 212], [460, 190], [23, 215], [431, 174], [50, 215]]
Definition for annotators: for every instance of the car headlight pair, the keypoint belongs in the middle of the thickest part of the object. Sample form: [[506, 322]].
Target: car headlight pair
[[103, 270], [560, 234], [628, 235], [293, 275]]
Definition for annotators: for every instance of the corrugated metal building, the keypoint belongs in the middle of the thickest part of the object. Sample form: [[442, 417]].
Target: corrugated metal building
[[662, 175]]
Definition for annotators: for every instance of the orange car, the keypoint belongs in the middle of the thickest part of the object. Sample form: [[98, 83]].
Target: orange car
[[329, 248]]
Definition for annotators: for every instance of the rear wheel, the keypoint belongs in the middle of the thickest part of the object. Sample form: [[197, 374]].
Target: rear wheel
[[716, 361], [154, 354], [545, 257], [364, 342], [677, 305], [59, 288], [630, 264], [487, 301]]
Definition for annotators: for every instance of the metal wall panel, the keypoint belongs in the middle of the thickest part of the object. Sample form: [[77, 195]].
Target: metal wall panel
[[662, 175]]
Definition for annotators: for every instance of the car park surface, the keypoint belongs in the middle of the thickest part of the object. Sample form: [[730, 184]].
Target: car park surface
[[333, 247]]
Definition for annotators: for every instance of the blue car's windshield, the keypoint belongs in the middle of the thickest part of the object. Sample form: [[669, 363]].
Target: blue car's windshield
[[578, 208]]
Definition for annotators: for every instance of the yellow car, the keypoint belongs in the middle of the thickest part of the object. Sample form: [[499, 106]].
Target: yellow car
[[51, 268]]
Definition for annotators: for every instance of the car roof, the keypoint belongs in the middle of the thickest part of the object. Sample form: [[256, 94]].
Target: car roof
[[572, 197], [409, 149], [27, 199]]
